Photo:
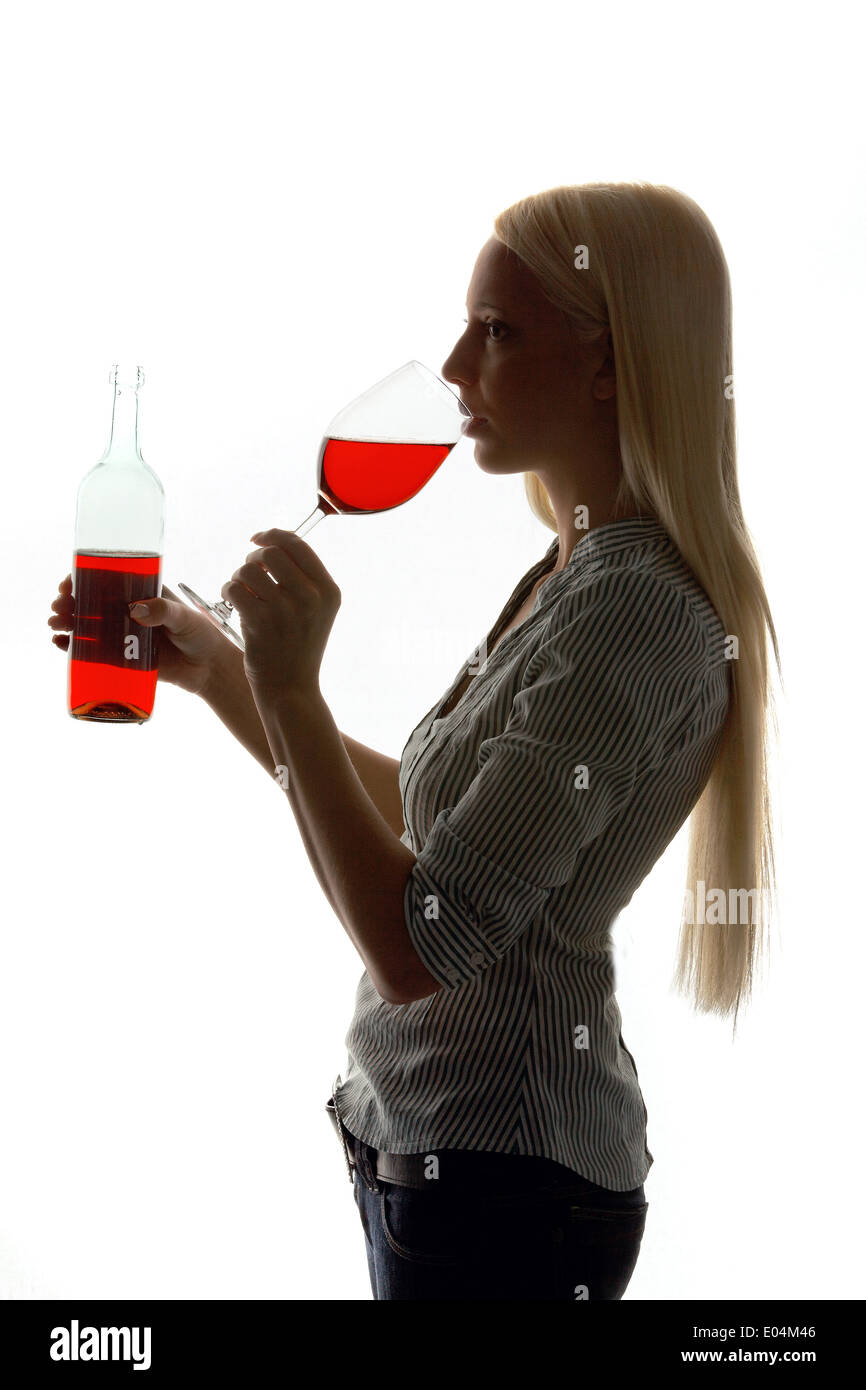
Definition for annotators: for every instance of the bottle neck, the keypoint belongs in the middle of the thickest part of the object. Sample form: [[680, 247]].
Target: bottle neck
[[123, 446]]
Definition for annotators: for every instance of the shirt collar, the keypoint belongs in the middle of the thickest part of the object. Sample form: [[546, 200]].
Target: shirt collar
[[612, 536]]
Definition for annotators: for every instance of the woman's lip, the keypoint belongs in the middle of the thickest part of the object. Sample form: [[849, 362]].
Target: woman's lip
[[476, 423]]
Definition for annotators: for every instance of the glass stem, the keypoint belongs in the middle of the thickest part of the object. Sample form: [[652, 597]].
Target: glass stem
[[224, 607], [312, 520]]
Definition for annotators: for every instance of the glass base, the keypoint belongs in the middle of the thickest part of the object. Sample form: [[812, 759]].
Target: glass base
[[217, 612]]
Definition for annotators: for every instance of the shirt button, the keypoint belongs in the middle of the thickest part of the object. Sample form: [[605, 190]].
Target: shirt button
[[476, 958]]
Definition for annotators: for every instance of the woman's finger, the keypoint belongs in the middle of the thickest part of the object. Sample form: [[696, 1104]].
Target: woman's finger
[[273, 560], [299, 553], [249, 582]]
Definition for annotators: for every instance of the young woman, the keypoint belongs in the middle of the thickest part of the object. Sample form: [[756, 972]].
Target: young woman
[[491, 1114]]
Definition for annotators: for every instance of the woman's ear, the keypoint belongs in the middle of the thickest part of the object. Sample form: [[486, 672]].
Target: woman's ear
[[604, 381]]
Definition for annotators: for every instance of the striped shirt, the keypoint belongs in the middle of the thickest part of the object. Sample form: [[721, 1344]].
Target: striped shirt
[[535, 807]]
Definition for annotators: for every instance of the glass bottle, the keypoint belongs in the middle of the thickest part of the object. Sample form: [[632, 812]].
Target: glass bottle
[[119, 529]]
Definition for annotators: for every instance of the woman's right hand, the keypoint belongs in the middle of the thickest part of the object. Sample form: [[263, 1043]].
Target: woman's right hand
[[191, 650]]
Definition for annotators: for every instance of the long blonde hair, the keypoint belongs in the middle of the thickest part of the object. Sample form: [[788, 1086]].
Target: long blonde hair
[[644, 261]]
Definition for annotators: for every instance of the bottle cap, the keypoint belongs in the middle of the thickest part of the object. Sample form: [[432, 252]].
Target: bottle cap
[[124, 374]]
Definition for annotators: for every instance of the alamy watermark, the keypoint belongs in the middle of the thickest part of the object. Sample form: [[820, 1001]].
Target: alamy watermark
[[722, 907], [102, 1344]]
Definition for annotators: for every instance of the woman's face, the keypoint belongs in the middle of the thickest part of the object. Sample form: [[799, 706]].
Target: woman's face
[[518, 367]]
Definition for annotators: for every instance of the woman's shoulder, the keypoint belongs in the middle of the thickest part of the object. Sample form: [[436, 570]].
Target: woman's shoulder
[[621, 602]]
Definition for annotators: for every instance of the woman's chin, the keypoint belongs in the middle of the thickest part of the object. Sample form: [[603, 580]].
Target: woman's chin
[[492, 460]]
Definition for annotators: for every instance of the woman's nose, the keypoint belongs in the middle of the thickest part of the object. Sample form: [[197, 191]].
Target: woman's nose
[[455, 368]]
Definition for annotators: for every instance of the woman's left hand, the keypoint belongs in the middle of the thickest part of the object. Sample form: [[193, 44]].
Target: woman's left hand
[[285, 620]]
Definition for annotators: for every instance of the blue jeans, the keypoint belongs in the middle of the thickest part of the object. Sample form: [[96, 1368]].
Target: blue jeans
[[516, 1228]]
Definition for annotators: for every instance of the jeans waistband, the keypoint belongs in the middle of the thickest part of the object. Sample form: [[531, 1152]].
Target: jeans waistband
[[476, 1169]]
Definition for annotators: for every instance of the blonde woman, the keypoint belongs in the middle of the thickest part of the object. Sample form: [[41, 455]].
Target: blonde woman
[[491, 1116]]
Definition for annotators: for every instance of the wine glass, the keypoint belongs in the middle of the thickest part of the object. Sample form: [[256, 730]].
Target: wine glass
[[379, 451]]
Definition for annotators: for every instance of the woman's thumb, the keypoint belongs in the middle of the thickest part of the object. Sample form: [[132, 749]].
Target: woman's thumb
[[153, 611], [142, 612]]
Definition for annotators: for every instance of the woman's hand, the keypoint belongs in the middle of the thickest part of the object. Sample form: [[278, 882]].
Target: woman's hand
[[287, 603], [191, 652]]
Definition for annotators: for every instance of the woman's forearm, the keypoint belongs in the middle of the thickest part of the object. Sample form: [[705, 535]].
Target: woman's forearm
[[229, 696], [379, 776], [361, 864], [231, 699]]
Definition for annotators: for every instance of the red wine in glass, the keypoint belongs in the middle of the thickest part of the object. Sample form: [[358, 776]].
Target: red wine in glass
[[378, 453], [361, 475]]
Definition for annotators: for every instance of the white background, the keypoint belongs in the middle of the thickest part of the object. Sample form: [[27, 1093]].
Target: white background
[[271, 207]]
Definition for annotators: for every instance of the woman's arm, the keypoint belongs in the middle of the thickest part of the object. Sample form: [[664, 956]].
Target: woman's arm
[[229, 696], [379, 777], [362, 866]]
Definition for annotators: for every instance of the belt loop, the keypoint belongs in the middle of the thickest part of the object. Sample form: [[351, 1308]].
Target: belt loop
[[367, 1167], [343, 1132], [357, 1153]]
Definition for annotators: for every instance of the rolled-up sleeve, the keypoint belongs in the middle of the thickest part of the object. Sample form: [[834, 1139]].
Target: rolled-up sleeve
[[621, 659]]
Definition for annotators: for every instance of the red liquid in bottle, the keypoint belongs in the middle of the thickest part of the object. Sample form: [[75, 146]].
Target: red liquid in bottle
[[367, 476], [111, 678]]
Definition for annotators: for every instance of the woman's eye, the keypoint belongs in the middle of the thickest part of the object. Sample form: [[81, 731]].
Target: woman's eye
[[491, 323]]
